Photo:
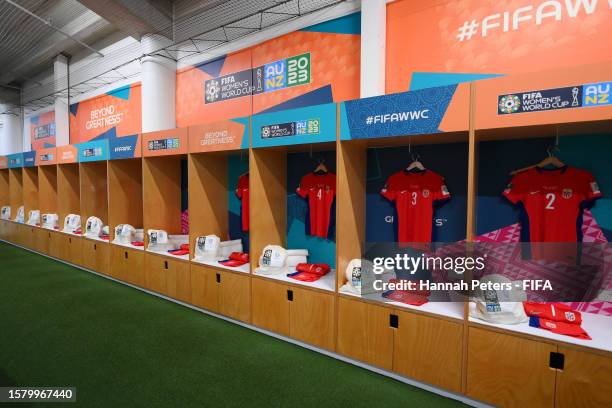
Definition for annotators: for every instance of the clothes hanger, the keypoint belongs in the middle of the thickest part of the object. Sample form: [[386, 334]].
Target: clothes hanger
[[550, 160], [415, 164], [321, 168]]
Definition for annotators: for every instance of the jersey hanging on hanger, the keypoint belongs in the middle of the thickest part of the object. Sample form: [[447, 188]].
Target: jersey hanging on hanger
[[414, 194], [320, 189], [242, 192], [553, 200]]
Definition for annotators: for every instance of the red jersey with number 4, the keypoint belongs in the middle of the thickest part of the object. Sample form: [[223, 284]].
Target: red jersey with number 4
[[552, 201], [414, 194], [242, 192], [320, 189]]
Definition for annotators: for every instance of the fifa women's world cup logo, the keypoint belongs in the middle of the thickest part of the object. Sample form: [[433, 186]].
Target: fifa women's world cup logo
[[509, 104]]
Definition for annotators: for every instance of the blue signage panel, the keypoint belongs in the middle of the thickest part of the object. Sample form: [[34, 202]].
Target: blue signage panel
[[15, 160], [569, 97], [29, 159], [409, 113], [123, 147], [95, 150], [312, 124]]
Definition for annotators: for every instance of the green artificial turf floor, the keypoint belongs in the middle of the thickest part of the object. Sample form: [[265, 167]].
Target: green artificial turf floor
[[60, 326]]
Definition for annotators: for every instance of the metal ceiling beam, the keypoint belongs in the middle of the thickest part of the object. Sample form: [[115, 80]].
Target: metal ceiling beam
[[59, 30], [135, 17], [86, 25]]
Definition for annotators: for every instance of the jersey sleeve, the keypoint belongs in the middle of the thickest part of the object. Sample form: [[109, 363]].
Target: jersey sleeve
[[591, 187], [302, 189], [388, 190], [243, 183], [442, 192], [514, 190]]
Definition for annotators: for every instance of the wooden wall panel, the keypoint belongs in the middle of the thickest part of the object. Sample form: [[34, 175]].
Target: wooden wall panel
[[30, 190], [350, 204], [94, 191], [47, 189], [4, 187], [125, 192], [68, 191], [15, 190], [208, 197], [268, 200], [161, 177]]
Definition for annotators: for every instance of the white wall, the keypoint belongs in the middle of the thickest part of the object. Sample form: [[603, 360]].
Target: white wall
[[11, 134]]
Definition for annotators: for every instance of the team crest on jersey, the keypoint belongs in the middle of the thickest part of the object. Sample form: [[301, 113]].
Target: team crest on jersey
[[425, 193], [567, 193], [571, 317]]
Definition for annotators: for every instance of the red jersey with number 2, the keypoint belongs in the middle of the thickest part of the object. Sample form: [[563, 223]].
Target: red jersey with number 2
[[414, 194], [242, 192], [320, 189], [552, 200]]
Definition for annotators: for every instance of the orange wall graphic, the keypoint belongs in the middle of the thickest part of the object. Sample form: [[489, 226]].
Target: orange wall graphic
[[114, 114], [437, 42], [42, 130], [317, 65], [191, 108]]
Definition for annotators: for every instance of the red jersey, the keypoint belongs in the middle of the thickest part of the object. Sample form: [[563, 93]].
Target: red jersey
[[414, 194], [242, 192], [320, 190], [552, 201]]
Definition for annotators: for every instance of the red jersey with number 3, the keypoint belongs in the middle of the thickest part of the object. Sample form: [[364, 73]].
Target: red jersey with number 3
[[553, 201], [414, 194], [242, 192], [320, 189]]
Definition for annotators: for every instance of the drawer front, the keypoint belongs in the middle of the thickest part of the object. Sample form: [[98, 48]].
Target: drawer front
[[270, 306], [205, 288], [235, 296]]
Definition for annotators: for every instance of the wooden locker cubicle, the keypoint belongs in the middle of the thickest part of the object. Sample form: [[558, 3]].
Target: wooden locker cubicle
[[422, 342], [302, 310], [4, 194], [93, 169], [68, 246], [164, 154], [46, 161], [125, 206], [30, 199], [16, 231], [534, 366], [214, 147]]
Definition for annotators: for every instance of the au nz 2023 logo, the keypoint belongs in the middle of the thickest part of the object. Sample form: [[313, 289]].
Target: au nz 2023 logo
[[286, 73], [597, 94]]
